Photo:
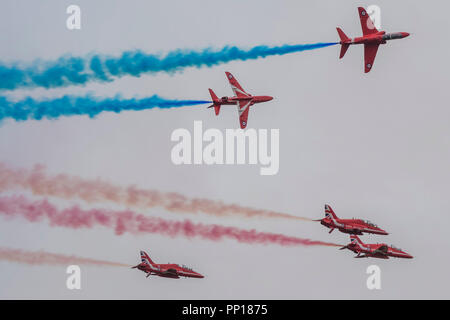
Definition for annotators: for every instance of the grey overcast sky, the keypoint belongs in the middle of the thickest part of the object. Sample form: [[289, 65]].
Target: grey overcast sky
[[374, 146]]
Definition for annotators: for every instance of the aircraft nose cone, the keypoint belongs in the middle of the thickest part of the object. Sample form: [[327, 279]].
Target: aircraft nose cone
[[269, 98], [405, 34]]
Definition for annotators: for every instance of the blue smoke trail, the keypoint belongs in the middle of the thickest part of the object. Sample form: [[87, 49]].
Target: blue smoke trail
[[30, 108], [78, 71]]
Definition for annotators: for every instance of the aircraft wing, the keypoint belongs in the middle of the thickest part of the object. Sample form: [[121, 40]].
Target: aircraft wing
[[382, 249], [243, 108], [368, 256], [352, 228], [366, 23], [171, 271], [370, 52], [236, 87]]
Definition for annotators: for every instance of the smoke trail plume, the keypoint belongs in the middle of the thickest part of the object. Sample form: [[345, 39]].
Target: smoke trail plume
[[91, 191], [80, 70], [30, 108], [47, 258], [134, 223]]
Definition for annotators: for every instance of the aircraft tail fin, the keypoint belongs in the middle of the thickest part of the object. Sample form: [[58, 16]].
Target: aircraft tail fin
[[216, 103], [329, 212], [355, 238], [344, 44], [146, 259]]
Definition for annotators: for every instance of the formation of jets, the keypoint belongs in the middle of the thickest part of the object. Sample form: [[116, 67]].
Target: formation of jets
[[168, 270], [356, 227], [372, 38]]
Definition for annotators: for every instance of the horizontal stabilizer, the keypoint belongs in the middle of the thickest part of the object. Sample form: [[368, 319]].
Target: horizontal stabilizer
[[344, 42], [213, 96], [342, 35], [216, 103], [344, 48]]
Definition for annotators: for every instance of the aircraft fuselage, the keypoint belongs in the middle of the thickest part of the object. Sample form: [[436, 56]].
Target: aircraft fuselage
[[235, 100], [376, 38], [161, 270], [351, 226], [369, 250]]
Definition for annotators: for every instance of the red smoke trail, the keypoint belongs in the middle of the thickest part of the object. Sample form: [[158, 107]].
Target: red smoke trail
[[46, 258], [131, 222], [68, 187]]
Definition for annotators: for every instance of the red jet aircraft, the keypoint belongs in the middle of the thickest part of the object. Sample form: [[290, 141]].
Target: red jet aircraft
[[242, 99], [351, 226], [379, 250], [173, 271], [371, 39]]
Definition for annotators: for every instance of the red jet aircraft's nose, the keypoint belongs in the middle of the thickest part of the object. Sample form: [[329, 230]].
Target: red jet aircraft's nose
[[405, 34]]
